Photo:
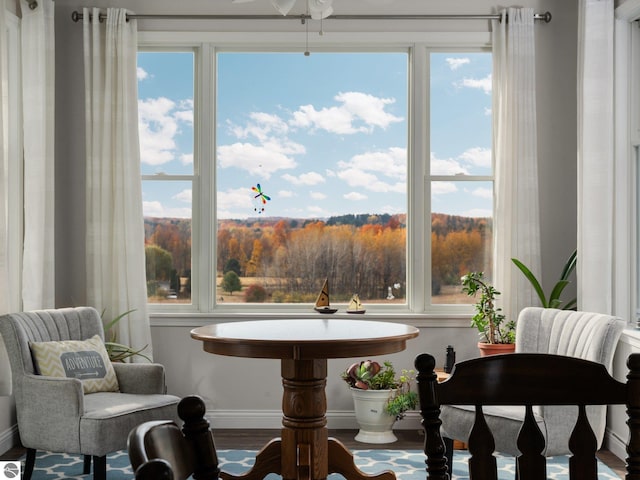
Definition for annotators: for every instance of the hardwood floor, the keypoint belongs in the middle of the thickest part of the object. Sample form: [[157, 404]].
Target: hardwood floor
[[235, 439]]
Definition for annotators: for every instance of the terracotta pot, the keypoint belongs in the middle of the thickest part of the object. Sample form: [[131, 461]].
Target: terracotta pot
[[495, 348]]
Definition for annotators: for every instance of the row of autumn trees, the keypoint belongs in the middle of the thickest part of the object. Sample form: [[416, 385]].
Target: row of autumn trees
[[357, 253]]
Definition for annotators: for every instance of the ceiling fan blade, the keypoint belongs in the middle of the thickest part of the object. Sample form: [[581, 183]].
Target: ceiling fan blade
[[320, 8], [283, 6]]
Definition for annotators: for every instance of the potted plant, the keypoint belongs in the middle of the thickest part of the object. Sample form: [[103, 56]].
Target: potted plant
[[497, 335], [117, 351], [553, 301], [380, 398]]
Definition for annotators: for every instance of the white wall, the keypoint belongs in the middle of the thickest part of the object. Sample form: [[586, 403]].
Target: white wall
[[244, 392]]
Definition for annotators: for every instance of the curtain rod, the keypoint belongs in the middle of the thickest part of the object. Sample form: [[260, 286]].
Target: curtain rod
[[546, 17]]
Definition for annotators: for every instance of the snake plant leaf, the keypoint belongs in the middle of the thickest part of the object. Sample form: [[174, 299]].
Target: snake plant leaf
[[569, 266], [532, 279]]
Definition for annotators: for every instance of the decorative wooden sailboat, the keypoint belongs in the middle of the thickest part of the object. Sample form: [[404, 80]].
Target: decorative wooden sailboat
[[355, 306], [322, 303]]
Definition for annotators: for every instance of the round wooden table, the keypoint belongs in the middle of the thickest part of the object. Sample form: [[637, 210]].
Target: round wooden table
[[304, 450]]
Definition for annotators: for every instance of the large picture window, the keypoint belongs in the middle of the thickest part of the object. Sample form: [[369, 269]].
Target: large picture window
[[266, 172]]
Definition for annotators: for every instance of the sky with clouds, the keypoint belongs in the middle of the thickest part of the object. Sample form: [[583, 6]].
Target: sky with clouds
[[322, 135]]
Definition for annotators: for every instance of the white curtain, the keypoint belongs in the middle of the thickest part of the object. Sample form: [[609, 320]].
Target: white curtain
[[38, 71], [116, 279], [517, 222], [4, 169], [595, 155], [5, 280]]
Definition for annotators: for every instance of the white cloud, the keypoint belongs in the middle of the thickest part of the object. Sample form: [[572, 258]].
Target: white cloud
[[380, 171], [156, 209], [355, 196], [448, 166], [260, 160], [235, 203], [487, 111], [357, 113], [185, 116], [391, 162], [186, 158], [260, 126], [317, 195], [369, 181], [310, 178], [442, 188], [141, 73], [478, 156], [152, 209], [158, 123], [317, 211], [285, 194], [483, 84], [183, 196], [482, 193], [456, 63]]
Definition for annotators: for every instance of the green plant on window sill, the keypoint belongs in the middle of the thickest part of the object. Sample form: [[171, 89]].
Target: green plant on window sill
[[554, 300], [492, 325], [117, 351], [370, 375]]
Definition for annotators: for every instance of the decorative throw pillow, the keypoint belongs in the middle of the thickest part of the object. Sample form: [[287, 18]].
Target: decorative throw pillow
[[86, 360]]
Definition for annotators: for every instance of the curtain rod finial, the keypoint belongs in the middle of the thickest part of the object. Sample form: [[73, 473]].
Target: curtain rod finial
[[546, 16], [33, 4]]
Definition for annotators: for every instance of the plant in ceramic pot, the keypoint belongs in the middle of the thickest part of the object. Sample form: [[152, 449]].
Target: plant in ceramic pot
[[380, 398], [496, 332]]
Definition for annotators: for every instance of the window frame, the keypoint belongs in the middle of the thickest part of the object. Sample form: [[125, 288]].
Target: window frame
[[419, 45]]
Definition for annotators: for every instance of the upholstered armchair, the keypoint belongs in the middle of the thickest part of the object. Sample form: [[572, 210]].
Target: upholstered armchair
[[62, 411], [590, 336]]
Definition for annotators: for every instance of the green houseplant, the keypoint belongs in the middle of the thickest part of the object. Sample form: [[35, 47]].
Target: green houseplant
[[553, 301], [491, 324], [380, 398], [117, 351]]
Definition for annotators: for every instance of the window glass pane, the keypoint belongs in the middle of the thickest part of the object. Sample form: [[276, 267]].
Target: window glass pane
[[462, 207], [165, 110], [166, 93], [461, 236], [311, 176]]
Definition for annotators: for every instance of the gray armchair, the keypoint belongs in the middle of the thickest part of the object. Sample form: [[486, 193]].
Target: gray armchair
[[590, 336], [54, 413]]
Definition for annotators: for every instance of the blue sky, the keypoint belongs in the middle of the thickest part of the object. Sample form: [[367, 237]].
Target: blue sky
[[323, 135]]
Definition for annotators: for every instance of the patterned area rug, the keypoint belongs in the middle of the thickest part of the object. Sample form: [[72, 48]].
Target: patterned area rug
[[408, 465]]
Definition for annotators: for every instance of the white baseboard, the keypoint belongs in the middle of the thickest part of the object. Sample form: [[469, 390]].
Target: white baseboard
[[9, 439], [272, 419]]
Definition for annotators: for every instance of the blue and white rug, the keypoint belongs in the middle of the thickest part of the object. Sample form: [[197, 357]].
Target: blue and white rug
[[408, 465]]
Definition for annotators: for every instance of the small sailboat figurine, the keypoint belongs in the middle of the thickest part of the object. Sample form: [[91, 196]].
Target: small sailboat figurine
[[355, 306], [322, 303]]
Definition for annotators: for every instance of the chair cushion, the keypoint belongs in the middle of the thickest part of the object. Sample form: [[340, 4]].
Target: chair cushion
[[86, 360], [504, 422], [109, 417]]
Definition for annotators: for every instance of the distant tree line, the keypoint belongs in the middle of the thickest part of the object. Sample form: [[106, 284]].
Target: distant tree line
[[362, 254]]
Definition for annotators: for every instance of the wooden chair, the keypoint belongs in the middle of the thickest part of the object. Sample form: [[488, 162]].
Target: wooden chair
[[160, 450], [529, 380]]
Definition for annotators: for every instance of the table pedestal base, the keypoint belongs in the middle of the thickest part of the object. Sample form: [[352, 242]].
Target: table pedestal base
[[304, 452], [268, 460]]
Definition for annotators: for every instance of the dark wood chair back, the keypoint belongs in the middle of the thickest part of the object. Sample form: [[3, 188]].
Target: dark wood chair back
[[160, 450], [527, 380]]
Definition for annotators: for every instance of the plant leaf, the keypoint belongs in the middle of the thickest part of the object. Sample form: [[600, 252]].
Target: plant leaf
[[554, 297], [532, 279], [570, 265]]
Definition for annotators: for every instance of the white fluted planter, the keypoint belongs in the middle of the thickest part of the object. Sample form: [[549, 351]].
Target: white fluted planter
[[375, 423]]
